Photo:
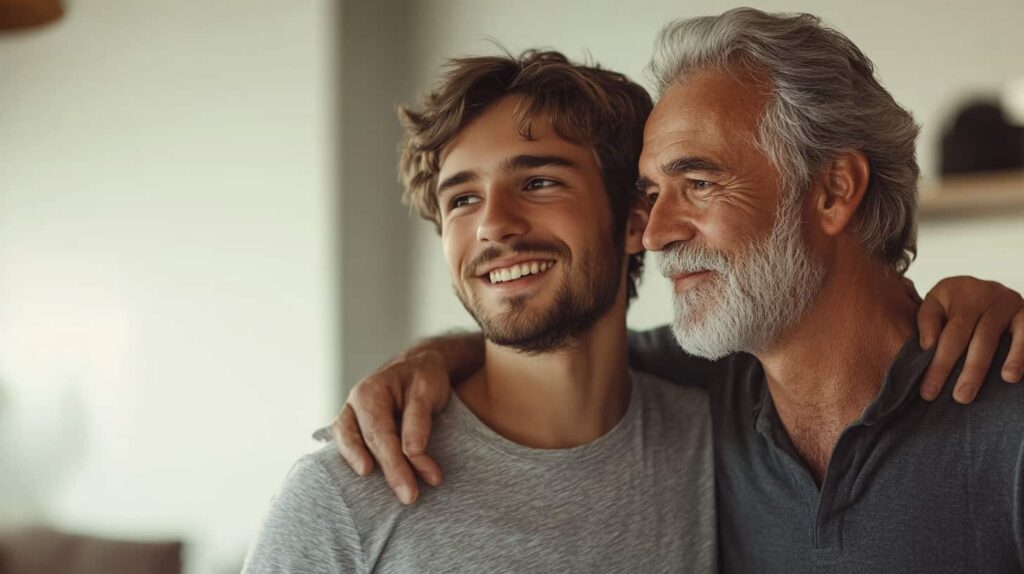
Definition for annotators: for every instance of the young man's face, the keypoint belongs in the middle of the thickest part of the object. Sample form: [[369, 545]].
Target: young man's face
[[526, 227]]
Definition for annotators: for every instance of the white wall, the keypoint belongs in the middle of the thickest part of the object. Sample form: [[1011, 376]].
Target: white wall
[[168, 297], [166, 280], [929, 55]]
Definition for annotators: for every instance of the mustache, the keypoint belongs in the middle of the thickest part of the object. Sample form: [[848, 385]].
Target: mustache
[[681, 257], [534, 246]]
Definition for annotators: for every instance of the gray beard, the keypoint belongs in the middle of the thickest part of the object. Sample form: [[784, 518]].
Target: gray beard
[[751, 299]]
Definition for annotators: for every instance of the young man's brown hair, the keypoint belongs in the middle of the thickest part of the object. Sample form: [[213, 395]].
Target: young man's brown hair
[[586, 105]]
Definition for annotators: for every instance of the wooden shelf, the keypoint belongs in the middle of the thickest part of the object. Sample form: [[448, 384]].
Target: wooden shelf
[[996, 193]]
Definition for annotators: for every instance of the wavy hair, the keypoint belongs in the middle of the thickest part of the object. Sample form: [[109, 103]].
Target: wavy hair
[[825, 100], [586, 105]]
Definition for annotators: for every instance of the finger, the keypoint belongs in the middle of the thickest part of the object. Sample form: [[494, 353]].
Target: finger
[[415, 426], [416, 422], [951, 346], [930, 319], [349, 441], [381, 437], [416, 418], [1013, 367], [427, 468], [375, 402], [983, 346]]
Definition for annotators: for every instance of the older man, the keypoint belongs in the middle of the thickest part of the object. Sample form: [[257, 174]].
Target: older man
[[783, 178], [783, 182]]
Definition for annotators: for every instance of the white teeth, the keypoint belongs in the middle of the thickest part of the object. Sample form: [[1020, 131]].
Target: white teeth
[[521, 270]]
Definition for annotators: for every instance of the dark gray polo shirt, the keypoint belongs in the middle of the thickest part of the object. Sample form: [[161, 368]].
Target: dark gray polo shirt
[[912, 486]]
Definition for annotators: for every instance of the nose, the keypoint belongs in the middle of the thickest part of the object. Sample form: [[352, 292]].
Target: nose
[[669, 222], [501, 217]]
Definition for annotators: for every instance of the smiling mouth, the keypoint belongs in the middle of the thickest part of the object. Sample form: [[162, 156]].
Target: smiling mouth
[[685, 281], [519, 270]]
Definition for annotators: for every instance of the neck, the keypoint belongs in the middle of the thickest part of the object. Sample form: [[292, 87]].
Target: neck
[[560, 399], [825, 370]]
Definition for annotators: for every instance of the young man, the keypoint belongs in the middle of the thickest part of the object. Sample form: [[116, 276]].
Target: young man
[[783, 183], [558, 458]]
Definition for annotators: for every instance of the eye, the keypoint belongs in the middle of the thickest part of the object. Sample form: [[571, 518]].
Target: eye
[[462, 201], [700, 184], [539, 183], [652, 197]]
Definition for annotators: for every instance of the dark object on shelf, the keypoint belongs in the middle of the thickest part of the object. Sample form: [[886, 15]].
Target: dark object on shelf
[[981, 139], [46, 551], [21, 14]]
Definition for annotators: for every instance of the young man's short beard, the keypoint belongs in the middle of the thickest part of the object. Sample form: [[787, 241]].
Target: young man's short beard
[[576, 307]]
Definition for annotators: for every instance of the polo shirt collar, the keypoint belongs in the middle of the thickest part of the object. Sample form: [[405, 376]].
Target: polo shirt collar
[[901, 381], [900, 386]]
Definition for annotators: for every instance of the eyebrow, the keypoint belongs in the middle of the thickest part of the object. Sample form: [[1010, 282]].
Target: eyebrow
[[457, 179], [680, 166], [535, 161], [511, 164]]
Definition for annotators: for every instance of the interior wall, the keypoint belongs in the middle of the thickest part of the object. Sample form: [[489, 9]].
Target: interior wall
[[375, 227], [929, 55], [170, 299], [167, 306]]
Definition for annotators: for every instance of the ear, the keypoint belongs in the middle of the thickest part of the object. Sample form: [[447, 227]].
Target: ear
[[639, 213], [842, 186]]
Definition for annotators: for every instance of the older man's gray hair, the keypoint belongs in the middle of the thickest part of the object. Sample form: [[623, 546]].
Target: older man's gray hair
[[825, 100]]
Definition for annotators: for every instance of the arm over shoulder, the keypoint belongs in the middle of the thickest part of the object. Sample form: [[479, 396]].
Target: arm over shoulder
[[655, 351], [309, 527]]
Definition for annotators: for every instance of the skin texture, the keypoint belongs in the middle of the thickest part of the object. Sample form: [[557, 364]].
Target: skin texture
[[717, 200], [508, 207], [506, 199], [825, 368], [728, 195], [959, 315]]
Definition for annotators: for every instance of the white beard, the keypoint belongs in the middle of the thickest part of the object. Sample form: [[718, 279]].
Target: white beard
[[751, 298]]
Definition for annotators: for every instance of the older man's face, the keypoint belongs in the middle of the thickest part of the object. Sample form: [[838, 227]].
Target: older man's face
[[729, 234]]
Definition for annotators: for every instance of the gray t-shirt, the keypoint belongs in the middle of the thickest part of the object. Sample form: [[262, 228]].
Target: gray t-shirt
[[638, 499]]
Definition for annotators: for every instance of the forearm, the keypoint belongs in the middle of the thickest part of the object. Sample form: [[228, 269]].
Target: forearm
[[461, 352], [655, 351]]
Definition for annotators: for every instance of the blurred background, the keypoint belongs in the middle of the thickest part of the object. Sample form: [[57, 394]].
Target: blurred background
[[202, 246]]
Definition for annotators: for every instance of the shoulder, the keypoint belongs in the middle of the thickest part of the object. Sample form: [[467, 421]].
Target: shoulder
[[676, 426], [656, 351], [367, 500], [998, 403], [993, 422], [311, 486], [309, 527], [994, 392], [672, 405]]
